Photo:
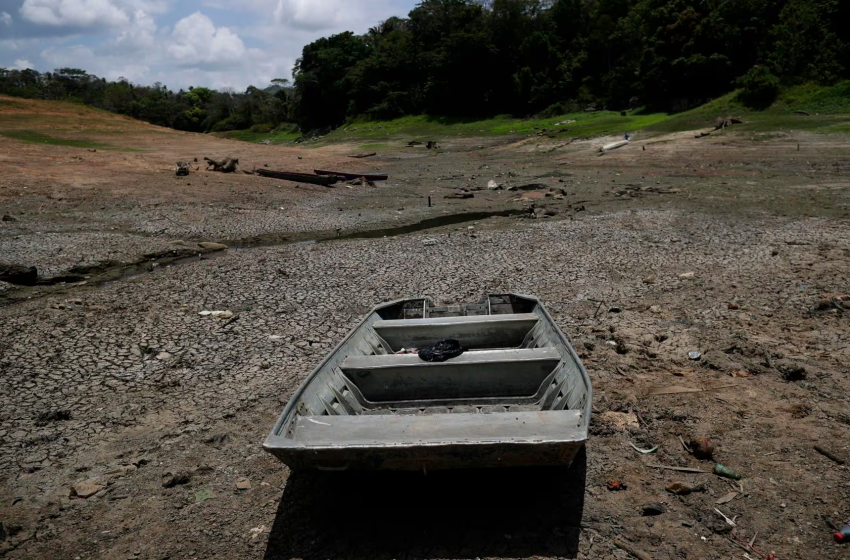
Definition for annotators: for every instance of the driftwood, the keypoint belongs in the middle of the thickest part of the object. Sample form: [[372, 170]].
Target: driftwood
[[227, 165], [634, 551], [728, 121]]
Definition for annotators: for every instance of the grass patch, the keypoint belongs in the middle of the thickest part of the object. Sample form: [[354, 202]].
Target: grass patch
[[277, 137], [40, 138]]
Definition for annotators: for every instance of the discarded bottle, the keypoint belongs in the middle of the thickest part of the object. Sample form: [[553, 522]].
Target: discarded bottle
[[843, 535], [725, 472]]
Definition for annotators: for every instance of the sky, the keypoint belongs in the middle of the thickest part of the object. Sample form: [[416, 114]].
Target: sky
[[179, 43]]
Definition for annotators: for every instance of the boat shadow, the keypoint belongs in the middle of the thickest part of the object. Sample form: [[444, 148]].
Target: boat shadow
[[517, 512]]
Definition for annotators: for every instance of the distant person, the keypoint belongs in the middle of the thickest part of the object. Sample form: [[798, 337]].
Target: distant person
[[627, 136]]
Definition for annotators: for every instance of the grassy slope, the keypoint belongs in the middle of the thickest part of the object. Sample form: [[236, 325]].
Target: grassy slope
[[829, 109], [57, 123]]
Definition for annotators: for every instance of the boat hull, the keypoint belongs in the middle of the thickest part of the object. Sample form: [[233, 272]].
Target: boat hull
[[339, 419], [425, 458]]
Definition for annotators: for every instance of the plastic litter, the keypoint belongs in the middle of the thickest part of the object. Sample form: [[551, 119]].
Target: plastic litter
[[443, 350], [843, 536], [725, 472]]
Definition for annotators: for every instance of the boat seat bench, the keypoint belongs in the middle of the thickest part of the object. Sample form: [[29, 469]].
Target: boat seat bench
[[480, 374], [540, 426], [472, 331]]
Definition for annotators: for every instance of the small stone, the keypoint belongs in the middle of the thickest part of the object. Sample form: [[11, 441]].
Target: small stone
[[694, 356], [172, 479], [653, 508], [163, 356], [243, 484], [649, 280], [655, 309], [733, 306], [687, 275], [680, 488], [9, 218], [209, 246], [85, 489]]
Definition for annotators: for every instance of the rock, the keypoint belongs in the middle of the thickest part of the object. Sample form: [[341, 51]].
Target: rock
[[172, 479], [217, 439], [209, 246], [655, 309], [680, 488], [649, 280], [122, 470], [791, 371], [653, 508], [733, 306], [702, 448], [694, 355], [85, 489], [429, 242], [17, 274], [720, 361], [9, 218], [243, 484], [164, 356], [618, 420], [529, 187], [687, 275]]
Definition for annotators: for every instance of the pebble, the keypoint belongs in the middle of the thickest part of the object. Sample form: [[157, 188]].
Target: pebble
[[243, 484], [86, 489]]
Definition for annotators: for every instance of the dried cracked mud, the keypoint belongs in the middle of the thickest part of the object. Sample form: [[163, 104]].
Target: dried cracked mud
[[130, 425]]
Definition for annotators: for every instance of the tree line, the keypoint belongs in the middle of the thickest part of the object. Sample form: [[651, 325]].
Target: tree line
[[197, 109], [471, 58], [477, 58]]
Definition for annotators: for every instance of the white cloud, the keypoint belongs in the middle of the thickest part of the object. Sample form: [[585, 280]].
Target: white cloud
[[74, 13], [6, 17], [197, 41], [139, 35], [22, 64], [308, 14]]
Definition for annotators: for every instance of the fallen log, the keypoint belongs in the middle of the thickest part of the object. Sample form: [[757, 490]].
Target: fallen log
[[325, 181], [345, 175], [361, 156], [614, 146], [227, 165]]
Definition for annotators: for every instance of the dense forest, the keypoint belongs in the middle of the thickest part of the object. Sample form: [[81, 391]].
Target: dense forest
[[474, 58]]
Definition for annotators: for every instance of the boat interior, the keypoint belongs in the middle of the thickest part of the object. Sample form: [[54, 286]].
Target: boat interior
[[515, 366]]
